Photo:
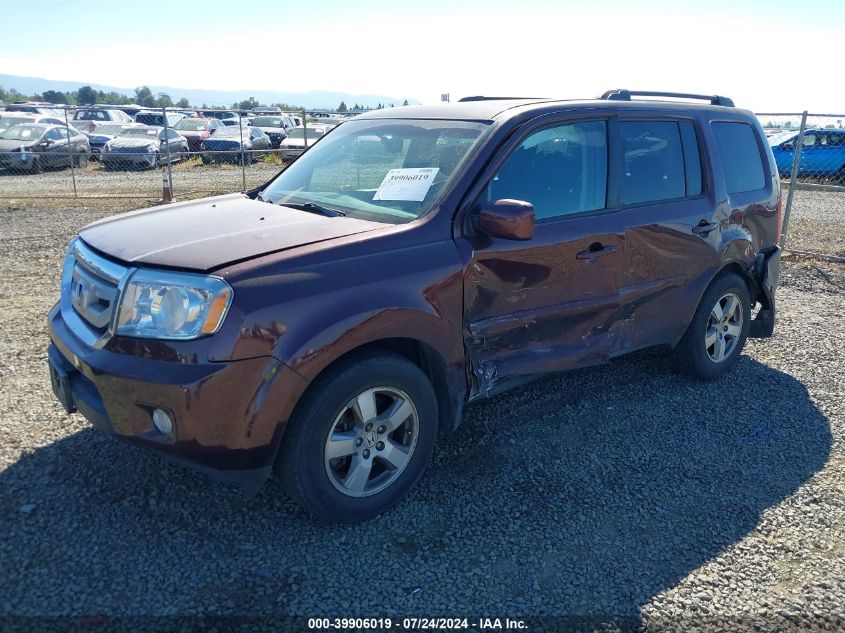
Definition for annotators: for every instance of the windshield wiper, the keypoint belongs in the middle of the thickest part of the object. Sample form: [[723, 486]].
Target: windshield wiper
[[260, 197], [314, 208]]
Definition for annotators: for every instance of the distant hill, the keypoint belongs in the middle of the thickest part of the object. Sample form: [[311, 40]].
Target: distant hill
[[312, 99]]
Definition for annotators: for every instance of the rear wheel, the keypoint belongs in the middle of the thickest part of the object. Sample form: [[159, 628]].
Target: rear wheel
[[360, 439], [714, 339]]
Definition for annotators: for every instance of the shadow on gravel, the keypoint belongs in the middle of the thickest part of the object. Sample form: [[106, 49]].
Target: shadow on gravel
[[581, 494]]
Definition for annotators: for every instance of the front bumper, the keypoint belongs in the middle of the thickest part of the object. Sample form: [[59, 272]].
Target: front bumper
[[291, 153], [228, 416], [19, 160], [126, 158]]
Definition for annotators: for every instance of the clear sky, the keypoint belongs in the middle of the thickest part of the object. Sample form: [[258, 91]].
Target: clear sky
[[767, 55]]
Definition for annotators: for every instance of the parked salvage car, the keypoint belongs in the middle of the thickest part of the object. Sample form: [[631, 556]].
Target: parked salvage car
[[105, 132], [86, 119], [10, 119], [156, 117], [276, 127], [300, 138], [36, 146], [822, 153], [144, 146], [331, 324], [35, 107], [197, 130], [232, 144]]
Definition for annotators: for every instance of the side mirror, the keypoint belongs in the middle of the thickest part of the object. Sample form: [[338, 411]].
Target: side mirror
[[507, 219], [787, 147]]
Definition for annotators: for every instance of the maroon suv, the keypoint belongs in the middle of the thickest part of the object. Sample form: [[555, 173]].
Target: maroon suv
[[332, 323]]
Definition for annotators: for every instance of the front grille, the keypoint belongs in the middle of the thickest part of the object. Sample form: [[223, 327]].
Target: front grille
[[91, 287]]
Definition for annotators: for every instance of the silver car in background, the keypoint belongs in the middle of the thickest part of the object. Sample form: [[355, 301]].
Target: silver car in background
[[143, 147]]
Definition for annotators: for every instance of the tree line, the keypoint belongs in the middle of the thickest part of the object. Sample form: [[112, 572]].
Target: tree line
[[86, 95]]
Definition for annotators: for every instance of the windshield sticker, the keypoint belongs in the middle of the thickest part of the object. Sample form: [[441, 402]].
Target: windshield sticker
[[411, 184]]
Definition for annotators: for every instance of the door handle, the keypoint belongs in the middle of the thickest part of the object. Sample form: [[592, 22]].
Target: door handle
[[704, 228], [595, 250]]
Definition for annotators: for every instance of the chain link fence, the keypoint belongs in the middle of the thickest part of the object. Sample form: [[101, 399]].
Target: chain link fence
[[190, 153], [172, 155], [809, 150]]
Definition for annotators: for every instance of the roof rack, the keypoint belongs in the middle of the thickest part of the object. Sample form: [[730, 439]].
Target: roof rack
[[625, 95], [483, 98]]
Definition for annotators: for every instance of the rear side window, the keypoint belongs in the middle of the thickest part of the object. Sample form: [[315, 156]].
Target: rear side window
[[654, 161], [560, 170], [740, 156]]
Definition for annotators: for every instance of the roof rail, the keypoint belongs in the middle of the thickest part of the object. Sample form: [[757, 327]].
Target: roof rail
[[625, 95], [483, 98]]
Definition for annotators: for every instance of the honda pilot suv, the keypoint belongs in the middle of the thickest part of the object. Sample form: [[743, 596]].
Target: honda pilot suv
[[332, 324]]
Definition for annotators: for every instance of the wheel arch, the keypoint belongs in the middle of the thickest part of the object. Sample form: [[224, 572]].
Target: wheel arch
[[450, 401]]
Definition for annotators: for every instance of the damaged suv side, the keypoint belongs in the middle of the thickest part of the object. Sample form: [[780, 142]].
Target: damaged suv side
[[332, 323]]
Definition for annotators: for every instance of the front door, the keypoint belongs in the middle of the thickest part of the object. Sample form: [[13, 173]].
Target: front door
[[548, 303]]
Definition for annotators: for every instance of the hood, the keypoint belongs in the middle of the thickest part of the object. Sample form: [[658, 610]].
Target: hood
[[294, 142], [225, 142], [192, 133], [211, 232], [132, 141], [7, 145], [270, 130]]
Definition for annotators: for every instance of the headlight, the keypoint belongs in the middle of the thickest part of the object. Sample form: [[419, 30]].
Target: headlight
[[151, 148], [165, 305], [106, 148]]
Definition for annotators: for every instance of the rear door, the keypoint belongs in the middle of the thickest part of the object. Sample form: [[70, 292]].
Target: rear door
[[548, 303], [671, 230]]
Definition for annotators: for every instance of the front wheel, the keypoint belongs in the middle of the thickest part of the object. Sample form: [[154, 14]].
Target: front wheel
[[714, 339], [360, 439]]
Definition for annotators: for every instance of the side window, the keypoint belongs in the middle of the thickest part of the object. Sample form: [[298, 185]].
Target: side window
[[741, 159], [809, 140], [654, 162], [560, 170], [54, 135]]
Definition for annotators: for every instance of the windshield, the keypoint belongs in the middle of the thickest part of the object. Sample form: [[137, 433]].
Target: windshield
[[141, 132], [383, 170], [149, 118], [299, 132], [110, 129], [780, 137], [7, 122], [23, 133], [194, 125], [91, 115], [267, 121]]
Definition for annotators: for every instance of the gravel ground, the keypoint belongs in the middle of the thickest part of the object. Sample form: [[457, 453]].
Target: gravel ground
[[189, 178], [623, 491], [817, 222]]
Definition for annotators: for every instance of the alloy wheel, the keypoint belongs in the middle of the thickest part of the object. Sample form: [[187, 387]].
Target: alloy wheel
[[371, 441], [724, 327]]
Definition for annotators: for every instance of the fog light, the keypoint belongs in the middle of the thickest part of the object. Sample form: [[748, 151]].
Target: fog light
[[162, 421]]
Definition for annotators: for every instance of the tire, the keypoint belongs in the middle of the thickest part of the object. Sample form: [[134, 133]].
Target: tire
[[37, 166], [81, 159], [370, 473], [839, 177], [715, 338]]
